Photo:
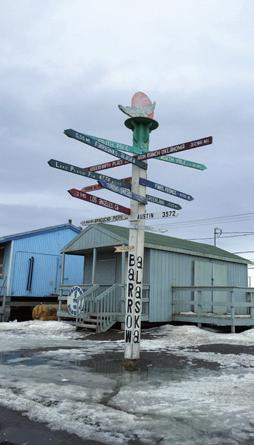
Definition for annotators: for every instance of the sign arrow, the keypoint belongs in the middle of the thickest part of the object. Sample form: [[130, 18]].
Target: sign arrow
[[126, 187], [98, 201], [162, 202], [86, 139], [104, 219], [138, 150], [118, 188], [94, 187], [80, 171], [164, 189], [158, 154]]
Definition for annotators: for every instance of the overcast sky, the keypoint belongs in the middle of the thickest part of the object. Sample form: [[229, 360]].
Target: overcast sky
[[68, 64]]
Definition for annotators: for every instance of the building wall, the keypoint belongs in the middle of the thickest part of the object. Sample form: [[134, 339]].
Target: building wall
[[6, 263], [169, 269], [45, 248]]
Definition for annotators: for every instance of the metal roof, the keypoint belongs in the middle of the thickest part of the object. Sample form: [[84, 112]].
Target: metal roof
[[160, 242], [7, 238]]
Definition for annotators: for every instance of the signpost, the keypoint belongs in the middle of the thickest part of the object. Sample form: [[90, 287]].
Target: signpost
[[99, 201], [141, 123], [86, 139], [164, 189]]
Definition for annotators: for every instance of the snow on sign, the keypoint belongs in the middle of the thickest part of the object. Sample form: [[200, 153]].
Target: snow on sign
[[99, 201]]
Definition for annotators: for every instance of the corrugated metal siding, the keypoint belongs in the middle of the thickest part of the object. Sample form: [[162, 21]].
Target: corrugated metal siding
[[171, 269], [91, 238], [45, 248]]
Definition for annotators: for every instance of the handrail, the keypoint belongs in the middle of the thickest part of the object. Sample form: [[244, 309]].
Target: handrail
[[107, 308], [225, 301]]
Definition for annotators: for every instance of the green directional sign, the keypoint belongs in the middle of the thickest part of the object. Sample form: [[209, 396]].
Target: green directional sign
[[86, 139], [183, 162], [139, 150]]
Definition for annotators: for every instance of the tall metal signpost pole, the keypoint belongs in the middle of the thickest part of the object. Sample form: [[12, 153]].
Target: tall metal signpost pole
[[141, 127]]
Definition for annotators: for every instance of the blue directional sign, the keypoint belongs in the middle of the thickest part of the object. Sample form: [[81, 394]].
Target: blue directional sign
[[164, 189], [86, 139], [118, 188]]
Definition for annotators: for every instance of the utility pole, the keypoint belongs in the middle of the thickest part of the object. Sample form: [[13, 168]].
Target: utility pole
[[217, 232]]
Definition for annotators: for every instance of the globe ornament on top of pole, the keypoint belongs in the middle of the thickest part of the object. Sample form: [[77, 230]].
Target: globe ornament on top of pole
[[141, 122]]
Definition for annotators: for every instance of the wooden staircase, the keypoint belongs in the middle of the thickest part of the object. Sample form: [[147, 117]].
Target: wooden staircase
[[98, 310]]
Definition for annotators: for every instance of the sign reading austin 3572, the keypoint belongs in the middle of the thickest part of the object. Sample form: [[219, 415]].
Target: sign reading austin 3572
[[133, 302]]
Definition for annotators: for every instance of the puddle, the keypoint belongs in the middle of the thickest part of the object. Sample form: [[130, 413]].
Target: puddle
[[152, 364]]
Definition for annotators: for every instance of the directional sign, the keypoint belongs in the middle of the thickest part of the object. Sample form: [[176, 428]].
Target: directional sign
[[164, 189], [123, 248], [182, 162], [155, 215], [156, 153], [105, 219], [138, 150], [117, 188], [119, 145], [94, 187], [86, 139], [80, 171], [99, 201], [162, 202]]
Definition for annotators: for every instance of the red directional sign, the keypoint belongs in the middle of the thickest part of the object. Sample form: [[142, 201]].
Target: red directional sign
[[99, 201], [155, 153]]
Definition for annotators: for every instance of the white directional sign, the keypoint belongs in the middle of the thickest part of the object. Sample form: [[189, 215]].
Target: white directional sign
[[104, 219], [155, 215], [123, 248]]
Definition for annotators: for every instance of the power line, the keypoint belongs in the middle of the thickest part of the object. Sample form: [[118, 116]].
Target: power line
[[240, 217]]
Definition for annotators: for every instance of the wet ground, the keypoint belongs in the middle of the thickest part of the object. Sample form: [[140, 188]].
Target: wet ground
[[185, 390]]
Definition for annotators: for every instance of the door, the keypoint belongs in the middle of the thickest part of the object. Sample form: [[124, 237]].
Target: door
[[105, 271], [35, 274], [212, 274]]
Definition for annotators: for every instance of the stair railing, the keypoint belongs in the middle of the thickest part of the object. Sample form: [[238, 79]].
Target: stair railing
[[86, 303], [108, 306]]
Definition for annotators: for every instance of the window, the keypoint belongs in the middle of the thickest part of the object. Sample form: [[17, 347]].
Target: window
[[1, 261]]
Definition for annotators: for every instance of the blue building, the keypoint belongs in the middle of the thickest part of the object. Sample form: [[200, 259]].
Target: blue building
[[184, 281], [30, 265]]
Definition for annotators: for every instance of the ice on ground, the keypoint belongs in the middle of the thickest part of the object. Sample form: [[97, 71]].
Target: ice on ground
[[43, 373]]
